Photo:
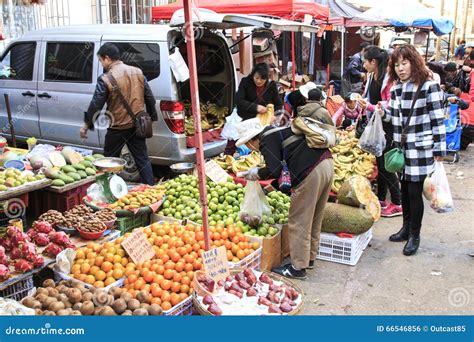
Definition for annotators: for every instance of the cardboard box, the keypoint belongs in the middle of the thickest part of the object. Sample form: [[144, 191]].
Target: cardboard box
[[285, 242], [271, 250]]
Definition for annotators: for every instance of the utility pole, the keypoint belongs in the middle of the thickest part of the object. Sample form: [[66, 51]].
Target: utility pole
[[453, 36], [464, 21], [438, 41]]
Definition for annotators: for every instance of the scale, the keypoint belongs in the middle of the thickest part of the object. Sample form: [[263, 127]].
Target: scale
[[113, 186]]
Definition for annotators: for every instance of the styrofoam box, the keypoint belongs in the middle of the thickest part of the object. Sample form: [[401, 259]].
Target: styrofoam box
[[343, 250]]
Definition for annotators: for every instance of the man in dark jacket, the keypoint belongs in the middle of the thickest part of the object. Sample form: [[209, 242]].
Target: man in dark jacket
[[137, 92], [255, 92], [355, 70], [311, 171]]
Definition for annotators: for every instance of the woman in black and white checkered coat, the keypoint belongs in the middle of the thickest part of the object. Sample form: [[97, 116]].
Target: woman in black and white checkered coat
[[425, 139]]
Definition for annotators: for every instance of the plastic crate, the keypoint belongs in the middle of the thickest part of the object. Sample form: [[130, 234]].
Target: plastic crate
[[128, 223], [343, 250], [43, 200], [185, 308], [18, 290], [252, 261]]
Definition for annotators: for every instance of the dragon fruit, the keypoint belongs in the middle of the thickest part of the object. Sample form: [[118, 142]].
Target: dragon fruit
[[3, 257], [6, 243], [23, 266], [4, 272], [70, 244], [32, 233], [42, 227], [28, 251], [15, 253], [20, 237], [53, 249], [41, 239], [2, 251], [59, 238], [38, 261], [13, 230]]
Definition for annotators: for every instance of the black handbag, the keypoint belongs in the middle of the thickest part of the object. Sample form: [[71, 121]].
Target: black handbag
[[141, 120], [362, 122]]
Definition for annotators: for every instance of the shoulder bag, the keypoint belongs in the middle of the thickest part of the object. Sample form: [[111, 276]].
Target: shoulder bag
[[142, 120]]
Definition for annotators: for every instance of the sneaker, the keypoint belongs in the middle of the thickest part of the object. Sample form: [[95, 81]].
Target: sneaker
[[383, 204], [392, 210], [290, 272], [311, 265]]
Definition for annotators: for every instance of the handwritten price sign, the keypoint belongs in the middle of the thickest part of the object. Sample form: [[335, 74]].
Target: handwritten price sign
[[138, 247], [215, 263]]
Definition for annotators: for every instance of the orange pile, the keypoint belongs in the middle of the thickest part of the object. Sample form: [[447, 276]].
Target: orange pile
[[168, 277], [100, 265]]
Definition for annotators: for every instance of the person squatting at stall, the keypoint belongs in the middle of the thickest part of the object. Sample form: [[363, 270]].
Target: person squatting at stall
[[255, 92], [135, 88], [311, 173], [425, 140]]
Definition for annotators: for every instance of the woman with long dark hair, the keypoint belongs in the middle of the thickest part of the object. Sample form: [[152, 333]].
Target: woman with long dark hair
[[425, 139], [378, 91]]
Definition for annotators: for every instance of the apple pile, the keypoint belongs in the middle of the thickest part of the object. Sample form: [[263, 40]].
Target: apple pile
[[256, 288]]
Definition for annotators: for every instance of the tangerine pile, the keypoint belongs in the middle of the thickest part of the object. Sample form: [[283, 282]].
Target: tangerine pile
[[100, 264], [168, 276]]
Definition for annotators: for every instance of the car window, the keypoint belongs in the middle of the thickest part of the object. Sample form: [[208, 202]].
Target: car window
[[18, 62], [145, 56], [69, 62]]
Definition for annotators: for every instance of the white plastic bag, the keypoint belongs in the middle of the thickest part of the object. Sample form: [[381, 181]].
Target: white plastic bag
[[229, 131], [441, 199], [254, 204], [373, 138], [178, 66]]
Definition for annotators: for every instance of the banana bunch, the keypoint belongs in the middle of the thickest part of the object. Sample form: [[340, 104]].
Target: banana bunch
[[212, 116], [224, 161], [216, 111], [244, 163], [350, 160]]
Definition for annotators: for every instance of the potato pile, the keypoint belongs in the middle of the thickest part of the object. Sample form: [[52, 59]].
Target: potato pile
[[70, 297]]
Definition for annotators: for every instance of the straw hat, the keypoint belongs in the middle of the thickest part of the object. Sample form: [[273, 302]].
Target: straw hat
[[247, 130]]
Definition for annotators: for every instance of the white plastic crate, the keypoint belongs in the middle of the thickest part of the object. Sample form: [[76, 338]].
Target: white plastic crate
[[18, 290], [185, 308], [252, 261], [343, 250]]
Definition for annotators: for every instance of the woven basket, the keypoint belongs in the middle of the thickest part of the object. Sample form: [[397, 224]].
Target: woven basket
[[199, 308]]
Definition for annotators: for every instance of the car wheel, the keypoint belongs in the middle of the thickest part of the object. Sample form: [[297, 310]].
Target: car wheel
[[130, 172]]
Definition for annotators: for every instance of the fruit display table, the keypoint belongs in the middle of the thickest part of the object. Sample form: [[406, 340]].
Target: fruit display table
[[61, 189], [25, 188]]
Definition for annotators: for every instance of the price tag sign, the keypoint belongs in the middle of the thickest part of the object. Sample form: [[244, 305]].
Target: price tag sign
[[216, 173], [215, 263], [138, 247]]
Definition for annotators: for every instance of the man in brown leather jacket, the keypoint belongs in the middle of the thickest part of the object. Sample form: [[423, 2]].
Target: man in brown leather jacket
[[137, 92]]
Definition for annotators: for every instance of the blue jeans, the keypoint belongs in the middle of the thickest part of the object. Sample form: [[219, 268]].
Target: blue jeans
[[115, 139]]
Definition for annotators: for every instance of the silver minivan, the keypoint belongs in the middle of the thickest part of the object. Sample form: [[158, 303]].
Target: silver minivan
[[50, 76]]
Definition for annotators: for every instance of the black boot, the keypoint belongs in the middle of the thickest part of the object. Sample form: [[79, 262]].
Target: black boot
[[413, 242], [402, 234]]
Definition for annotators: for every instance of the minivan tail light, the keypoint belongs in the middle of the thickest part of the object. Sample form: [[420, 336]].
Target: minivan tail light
[[174, 116]]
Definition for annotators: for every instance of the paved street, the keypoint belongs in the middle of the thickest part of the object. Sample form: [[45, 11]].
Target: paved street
[[439, 280]]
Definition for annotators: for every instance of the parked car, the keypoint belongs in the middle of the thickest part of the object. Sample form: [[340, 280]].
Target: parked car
[[51, 76]]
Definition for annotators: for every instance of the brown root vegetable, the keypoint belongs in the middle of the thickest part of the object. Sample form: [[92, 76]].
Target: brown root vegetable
[[86, 296], [77, 306], [140, 312], [48, 302], [126, 296], [144, 306], [128, 313], [107, 311], [74, 295], [28, 301], [49, 313], [133, 304], [62, 297], [155, 310], [52, 292], [42, 290], [87, 308], [49, 283], [56, 306], [115, 291], [67, 303], [41, 298], [38, 312], [37, 305], [63, 312], [144, 297], [76, 313], [119, 305]]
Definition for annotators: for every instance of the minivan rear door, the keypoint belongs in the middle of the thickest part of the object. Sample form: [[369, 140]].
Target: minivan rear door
[[67, 80], [18, 79], [213, 20]]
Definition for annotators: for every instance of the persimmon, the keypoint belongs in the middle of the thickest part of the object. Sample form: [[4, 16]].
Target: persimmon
[[168, 274]]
